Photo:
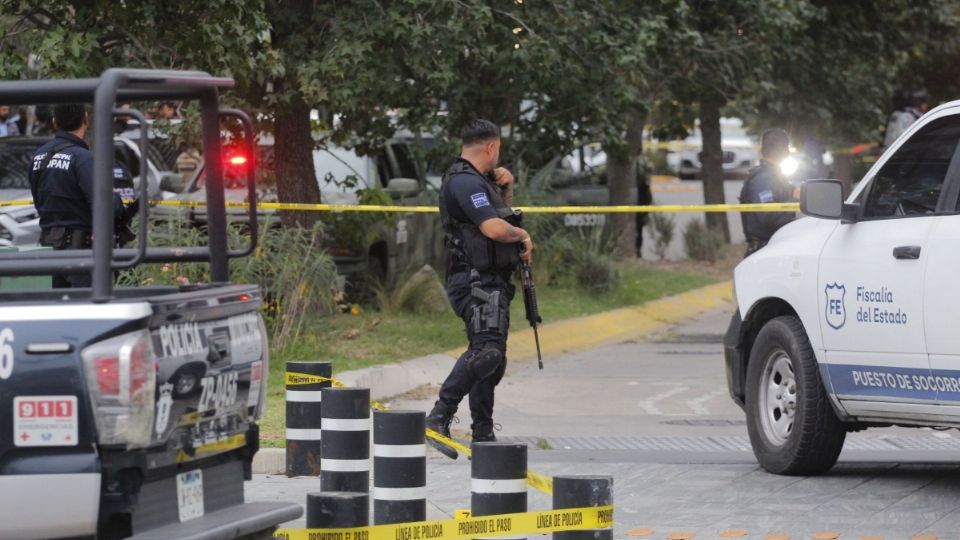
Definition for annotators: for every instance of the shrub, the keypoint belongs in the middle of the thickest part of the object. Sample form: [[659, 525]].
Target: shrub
[[422, 292], [294, 274], [596, 273], [702, 244], [662, 228]]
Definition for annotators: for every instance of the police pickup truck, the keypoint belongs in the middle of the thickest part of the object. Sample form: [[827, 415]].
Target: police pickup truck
[[847, 319], [100, 437]]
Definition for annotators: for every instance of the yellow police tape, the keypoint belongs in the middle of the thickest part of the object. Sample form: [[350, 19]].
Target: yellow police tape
[[547, 521], [597, 209], [536, 480]]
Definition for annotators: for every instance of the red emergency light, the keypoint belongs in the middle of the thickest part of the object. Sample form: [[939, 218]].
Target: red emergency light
[[237, 160]]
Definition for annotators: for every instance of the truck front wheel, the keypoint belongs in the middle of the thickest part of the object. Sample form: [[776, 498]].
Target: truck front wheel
[[793, 429]]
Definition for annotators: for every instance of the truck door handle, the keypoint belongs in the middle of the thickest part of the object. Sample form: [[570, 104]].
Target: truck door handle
[[906, 252]]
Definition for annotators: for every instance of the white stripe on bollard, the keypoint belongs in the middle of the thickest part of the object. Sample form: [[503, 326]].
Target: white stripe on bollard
[[399, 450], [399, 494], [303, 434], [304, 396], [345, 424], [344, 465], [480, 485]]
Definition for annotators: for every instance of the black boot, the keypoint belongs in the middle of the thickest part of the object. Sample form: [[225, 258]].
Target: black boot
[[439, 420], [483, 431]]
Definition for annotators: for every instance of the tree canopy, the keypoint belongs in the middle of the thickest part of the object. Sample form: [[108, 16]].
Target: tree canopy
[[555, 74]]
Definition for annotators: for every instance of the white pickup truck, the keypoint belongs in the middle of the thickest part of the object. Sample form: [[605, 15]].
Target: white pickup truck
[[845, 319]]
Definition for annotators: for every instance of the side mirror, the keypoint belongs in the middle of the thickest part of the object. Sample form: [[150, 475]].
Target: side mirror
[[822, 199], [403, 187], [172, 182]]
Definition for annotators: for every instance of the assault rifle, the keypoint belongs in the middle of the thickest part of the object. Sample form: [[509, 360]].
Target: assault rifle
[[530, 303]]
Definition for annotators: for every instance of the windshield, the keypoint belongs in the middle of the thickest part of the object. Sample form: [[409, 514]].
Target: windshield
[[340, 170]]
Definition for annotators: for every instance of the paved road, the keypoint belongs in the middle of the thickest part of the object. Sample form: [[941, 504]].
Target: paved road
[[690, 192], [656, 417]]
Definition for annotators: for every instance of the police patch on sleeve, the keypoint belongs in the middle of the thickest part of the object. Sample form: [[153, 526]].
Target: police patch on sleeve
[[479, 200], [766, 196]]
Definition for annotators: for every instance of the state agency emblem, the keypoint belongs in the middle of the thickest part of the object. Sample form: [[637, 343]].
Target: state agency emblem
[[836, 312]]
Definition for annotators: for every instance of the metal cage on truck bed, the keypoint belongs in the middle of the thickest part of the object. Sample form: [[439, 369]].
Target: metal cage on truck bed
[[126, 85]]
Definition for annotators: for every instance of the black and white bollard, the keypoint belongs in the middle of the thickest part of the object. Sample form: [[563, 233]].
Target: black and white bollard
[[581, 492], [399, 467], [345, 444], [498, 482], [337, 509], [303, 416]]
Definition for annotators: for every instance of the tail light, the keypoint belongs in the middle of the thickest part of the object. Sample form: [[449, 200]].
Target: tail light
[[237, 161], [122, 381]]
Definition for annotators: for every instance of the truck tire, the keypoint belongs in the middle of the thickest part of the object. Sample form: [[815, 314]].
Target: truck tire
[[793, 429]]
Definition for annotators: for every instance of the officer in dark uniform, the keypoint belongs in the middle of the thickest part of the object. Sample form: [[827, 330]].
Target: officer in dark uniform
[[767, 185], [484, 246], [124, 211], [61, 180]]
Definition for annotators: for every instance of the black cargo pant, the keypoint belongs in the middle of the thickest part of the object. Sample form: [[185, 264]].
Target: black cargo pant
[[488, 339]]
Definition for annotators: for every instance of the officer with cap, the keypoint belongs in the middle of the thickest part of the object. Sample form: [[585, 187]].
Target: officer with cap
[[61, 180], [767, 185], [484, 246]]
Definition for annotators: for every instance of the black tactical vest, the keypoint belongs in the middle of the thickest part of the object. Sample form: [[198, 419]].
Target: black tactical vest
[[467, 247]]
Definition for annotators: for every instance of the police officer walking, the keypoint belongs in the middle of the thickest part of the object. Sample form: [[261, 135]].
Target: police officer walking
[[767, 185], [484, 246]]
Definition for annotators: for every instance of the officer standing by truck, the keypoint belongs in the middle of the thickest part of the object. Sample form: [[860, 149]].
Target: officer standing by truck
[[61, 181], [484, 246], [767, 184]]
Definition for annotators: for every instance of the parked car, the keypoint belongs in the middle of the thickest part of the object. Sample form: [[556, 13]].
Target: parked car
[[387, 249], [741, 151], [846, 319], [20, 225]]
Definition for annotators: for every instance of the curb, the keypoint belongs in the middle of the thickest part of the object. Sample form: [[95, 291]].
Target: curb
[[618, 325], [560, 337]]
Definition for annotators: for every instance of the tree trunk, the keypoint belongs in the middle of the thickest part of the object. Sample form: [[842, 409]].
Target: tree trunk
[[621, 179], [711, 159], [293, 160], [843, 170]]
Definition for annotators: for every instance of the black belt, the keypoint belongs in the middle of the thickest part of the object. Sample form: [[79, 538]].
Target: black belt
[[66, 238]]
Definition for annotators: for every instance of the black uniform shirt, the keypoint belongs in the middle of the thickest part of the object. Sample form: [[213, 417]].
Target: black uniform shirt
[[62, 193], [467, 197]]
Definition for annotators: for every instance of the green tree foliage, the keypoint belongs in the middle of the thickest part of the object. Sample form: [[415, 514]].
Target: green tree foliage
[[556, 74], [836, 76]]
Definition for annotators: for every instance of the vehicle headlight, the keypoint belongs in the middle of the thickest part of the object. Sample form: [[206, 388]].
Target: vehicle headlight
[[789, 166]]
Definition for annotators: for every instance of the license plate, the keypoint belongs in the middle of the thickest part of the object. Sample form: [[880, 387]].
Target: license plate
[[190, 494], [584, 220]]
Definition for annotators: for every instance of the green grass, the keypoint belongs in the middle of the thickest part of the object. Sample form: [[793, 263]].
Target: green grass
[[371, 338]]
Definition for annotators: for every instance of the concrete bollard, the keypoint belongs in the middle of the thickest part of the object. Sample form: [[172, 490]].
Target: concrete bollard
[[303, 418], [345, 444], [498, 484], [580, 492], [399, 467], [337, 509]]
